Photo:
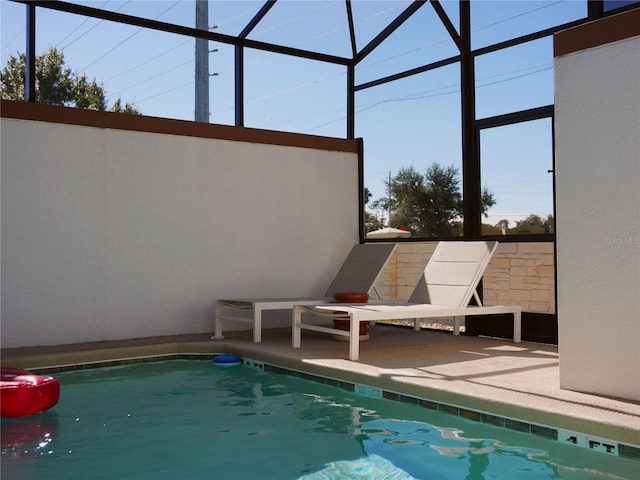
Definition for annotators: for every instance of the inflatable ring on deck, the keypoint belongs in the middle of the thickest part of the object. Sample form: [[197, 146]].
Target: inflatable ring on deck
[[22, 393]]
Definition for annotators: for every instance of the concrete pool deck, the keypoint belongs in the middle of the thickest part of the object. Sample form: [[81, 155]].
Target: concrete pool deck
[[492, 376]]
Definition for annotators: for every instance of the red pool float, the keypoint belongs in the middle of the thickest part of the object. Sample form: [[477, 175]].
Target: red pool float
[[22, 393]]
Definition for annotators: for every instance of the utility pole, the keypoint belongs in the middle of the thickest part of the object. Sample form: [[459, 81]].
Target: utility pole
[[202, 64]]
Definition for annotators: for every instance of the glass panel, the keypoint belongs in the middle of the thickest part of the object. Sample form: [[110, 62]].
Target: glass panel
[[153, 71], [290, 102], [229, 17], [311, 25], [421, 40], [453, 12], [410, 126], [13, 29], [176, 12], [514, 79], [370, 18], [515, 162], [496, 21]]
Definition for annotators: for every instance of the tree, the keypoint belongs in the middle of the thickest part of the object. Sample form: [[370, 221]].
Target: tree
[[534, 222], [430, 204], [56, 84], [503, 224], [371, 222]]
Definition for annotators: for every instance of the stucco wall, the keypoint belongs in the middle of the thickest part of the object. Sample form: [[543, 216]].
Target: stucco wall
[[111, 234], [597, 109]]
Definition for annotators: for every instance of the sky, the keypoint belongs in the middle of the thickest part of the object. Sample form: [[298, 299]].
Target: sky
[[411, 122]]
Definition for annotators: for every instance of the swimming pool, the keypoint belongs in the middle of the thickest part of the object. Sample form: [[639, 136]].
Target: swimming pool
[[189, 419]]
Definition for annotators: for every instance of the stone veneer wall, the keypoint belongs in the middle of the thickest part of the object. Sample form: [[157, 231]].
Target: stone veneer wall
[[519, 273]]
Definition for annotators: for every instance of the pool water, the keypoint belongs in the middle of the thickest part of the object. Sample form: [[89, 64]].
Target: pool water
[[188, 419]]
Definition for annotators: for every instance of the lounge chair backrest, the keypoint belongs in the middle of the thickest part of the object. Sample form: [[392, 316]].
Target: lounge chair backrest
[[362, 267], [453, 273]]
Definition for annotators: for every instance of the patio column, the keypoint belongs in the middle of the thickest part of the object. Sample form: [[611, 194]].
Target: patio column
[[470, 158]]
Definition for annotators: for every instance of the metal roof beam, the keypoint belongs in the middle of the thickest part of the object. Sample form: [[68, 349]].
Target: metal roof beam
[[408, 73], [352, 30], [257, 18], [187, 31], [525, 38], [444, 18], [392, 27]]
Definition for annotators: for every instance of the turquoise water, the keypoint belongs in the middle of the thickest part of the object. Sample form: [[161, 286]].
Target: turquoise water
[[191, 420]]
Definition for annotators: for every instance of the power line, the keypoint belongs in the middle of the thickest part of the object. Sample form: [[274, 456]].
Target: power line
[[413, 97], [527, 12], [296, 19], [304, 117], [156, 76], [149, 61], [128, 38], [261, 57], [90, 29], [311, 39], [224, 22], [164, 92], [448, 39], [427, 94], [78, 27], [294, 88], [19, 32], [306, 84], [516, 77], [458, 85]]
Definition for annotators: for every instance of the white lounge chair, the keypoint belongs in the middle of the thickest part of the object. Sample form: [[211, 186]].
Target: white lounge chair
[[445, 289], [358, 273]]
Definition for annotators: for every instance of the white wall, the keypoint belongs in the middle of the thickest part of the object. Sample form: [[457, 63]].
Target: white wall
[[597, 108], [111, 234]]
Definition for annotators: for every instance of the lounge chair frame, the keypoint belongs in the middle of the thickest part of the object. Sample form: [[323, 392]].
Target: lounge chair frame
[[438, 282], [359, 273]]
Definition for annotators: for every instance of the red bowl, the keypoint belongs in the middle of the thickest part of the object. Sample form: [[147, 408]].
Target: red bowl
[[351, 297]]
